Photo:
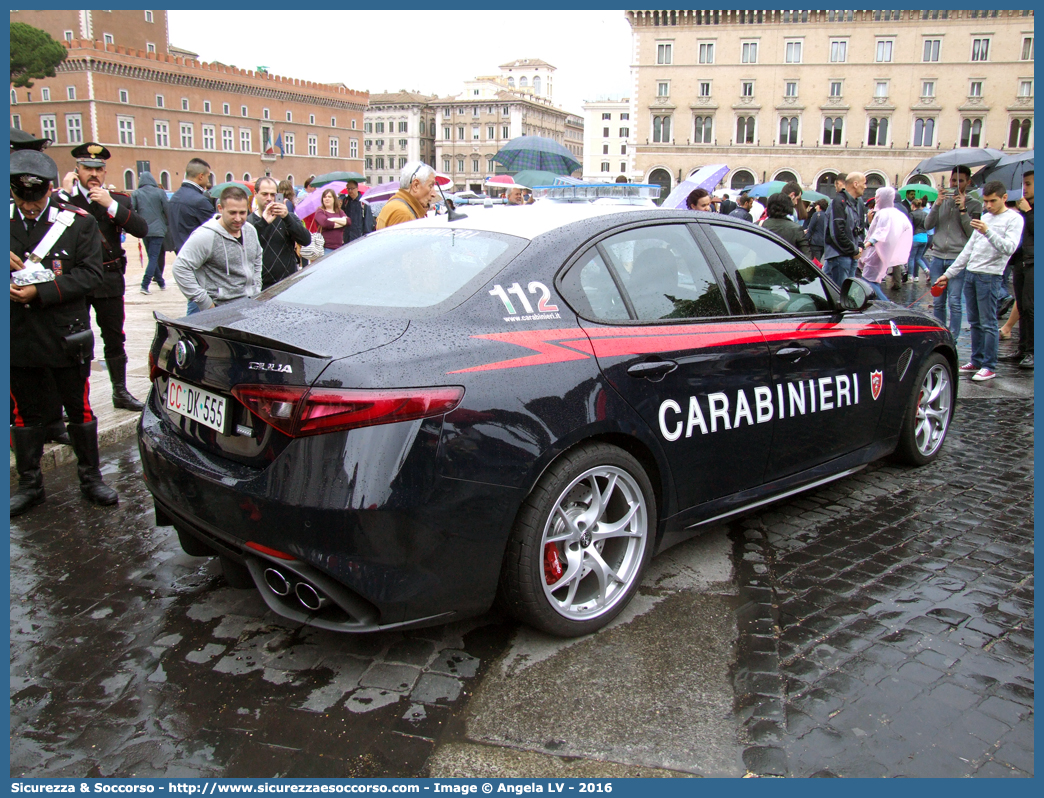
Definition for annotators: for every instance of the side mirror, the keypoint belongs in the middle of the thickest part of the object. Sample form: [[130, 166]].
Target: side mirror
[[856, 294]]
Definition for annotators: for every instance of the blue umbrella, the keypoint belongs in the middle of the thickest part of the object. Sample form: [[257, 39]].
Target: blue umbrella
[[1009, 170], [765, 189], [536, 152], [706, 177]]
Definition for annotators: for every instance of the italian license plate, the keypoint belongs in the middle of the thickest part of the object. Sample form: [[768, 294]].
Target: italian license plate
[[201, 406]]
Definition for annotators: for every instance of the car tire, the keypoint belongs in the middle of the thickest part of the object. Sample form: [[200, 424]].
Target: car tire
[[236, 574], [928, 413], [193, 546], [596, 508]]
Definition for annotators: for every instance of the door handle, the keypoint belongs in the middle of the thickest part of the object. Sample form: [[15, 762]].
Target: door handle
[[792, 352], [653, 370]]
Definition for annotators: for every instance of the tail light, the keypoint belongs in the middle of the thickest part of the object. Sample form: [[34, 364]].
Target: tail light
[[154, 370], [301, 411], [269, 551]]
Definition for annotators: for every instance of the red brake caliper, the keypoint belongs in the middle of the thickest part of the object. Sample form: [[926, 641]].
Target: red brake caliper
[[552, 564]]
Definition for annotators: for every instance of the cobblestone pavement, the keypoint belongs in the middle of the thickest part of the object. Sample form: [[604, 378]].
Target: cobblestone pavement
[[888, 623]]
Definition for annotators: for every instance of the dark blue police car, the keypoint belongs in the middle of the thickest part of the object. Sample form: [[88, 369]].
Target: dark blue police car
[[523, 404]]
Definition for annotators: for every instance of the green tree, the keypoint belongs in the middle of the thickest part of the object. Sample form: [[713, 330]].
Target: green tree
[[34, 54]]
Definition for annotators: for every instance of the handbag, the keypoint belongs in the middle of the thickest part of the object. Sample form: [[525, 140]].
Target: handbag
[[315, 250]]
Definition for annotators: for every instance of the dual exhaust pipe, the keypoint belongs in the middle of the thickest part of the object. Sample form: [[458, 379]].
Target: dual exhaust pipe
[[306, 593]]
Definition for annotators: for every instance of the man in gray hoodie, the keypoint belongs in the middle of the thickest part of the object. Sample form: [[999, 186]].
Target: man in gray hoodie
[[222, 259], [952, 219], [150, 201]]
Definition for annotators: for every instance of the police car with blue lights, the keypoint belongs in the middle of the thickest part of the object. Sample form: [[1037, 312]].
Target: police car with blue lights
[[522, 405]]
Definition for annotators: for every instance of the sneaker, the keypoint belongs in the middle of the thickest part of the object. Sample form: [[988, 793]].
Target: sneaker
[[144, 291], [983, 374], [968, 368], [161, 286], [1027, 362], [1016, 358]]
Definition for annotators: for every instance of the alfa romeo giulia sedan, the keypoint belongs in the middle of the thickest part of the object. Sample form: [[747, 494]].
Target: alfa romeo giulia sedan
[[523, 405]]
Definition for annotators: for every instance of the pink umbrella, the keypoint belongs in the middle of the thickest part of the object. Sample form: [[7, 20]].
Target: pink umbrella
[[310, 203], [501, 180]]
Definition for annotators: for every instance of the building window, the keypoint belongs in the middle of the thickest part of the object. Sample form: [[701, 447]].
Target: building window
[[663, 89], [14, 97], [791, 89], [187, 142], [490, 132], [504, 132], [335, 147], [228, 177], [74, 128], [313, 145], [839, 51], [980, 49], [16, 121], [402, 144], [333, 123], [975, 88], [625, 117], [474, 164], [226, 109], [474, 132], [605, 149], [1025, 88], [662, 129], [881, 88], [707, 52], [354, 125], [705, 88], [353, 148], [68, 36], [128, 180], [446, 132], [49, 127], [663, 53], [924, 132], [124, 96], [623, 147], [311, 119], [605, 132], [605, 166], [404, 127], [445, 163], [45, 95], [835, 88], [460, 133], [209, 138], [184, 104], [165, 180], [159, 101], [1019, 132], [607, 116], [289, 116], [884, 51], [747, 88], [125, 125], [745, 130], [460, 164], [490, 164], [1027, 48], [749, 53], [931, 49], [703, 132], [289, 145], [793, 52], [877, 132], [148, 16], [226, 139], [832, 129], [928, 88], [244, 140], [246, 177], [162, 134], [150, 47], [242, 110], [623, 166], [402, 163], [107, 38], [70, 92], [625, 132], [971, 132], [788, 130], [475, 108]]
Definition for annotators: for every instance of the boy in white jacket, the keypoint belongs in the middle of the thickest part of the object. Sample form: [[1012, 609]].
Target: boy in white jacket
[[221, 260]]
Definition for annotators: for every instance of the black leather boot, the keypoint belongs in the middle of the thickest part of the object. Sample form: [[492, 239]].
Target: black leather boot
[[85, 444], [28, 446], [121, 397], [56, 433]]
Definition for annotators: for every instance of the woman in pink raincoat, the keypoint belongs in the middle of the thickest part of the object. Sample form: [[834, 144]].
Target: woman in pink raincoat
[[888, 241]]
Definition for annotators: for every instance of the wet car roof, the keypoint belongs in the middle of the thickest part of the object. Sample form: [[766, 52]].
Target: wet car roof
[[528, 221]]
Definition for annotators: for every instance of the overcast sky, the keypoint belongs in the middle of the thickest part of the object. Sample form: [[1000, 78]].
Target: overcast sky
[[591, 49]]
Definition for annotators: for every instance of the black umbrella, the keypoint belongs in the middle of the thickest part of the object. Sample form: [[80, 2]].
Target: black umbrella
[[962, 156], [344, 177]]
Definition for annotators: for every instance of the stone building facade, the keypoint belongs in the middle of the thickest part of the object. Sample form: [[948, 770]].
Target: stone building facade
[[397, 127], [156, 110], [808, 94], [608, 149]]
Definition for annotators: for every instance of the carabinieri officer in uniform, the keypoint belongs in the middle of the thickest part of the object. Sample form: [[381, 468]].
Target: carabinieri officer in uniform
[[51, 340], [113, 213]]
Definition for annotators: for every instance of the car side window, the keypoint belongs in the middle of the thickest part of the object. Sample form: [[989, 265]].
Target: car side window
[[590, 289], [774, 279], [665, 274]]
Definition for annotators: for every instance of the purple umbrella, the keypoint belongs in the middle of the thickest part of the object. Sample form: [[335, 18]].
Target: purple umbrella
[[707, 177], [314, 201]]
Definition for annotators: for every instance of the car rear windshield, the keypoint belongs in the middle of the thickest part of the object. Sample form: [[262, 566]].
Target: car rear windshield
[[420, 268]]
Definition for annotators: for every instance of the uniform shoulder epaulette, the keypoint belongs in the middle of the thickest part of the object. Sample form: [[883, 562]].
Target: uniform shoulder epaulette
[[65, 206]]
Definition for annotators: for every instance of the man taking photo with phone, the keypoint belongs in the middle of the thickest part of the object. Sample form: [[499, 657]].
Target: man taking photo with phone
[[952, 219], [278, 230]]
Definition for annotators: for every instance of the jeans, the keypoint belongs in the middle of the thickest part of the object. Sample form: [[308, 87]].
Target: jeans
[[950, 298], [154, 271], [878, 291], [839, 267], [980, 293], [192, 308], [917, 259]]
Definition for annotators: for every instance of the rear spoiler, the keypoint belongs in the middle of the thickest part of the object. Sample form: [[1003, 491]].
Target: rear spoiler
[[232, 334]]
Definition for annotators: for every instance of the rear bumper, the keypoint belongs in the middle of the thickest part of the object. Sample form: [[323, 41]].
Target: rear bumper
[[364, 515]]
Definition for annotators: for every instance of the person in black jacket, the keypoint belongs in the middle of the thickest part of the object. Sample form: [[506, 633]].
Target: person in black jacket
[[1021, 263], [190, 206], [360, 213], [816, 229], [51, 340], [278, 230], [113, 213]]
